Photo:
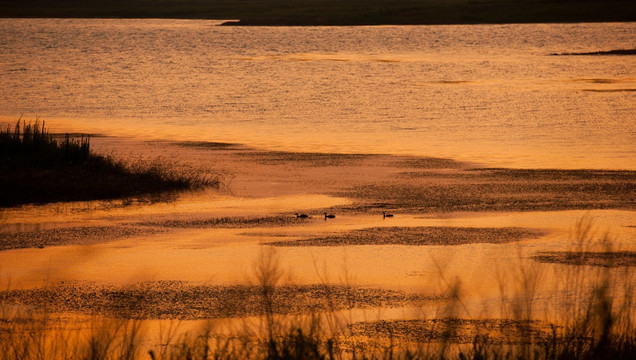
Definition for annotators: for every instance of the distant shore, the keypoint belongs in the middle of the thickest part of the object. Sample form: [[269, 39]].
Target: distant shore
[[328, 12]]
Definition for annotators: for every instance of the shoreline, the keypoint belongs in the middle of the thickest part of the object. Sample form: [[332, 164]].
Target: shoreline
[[326, 13], [447, 185], [521, 158]]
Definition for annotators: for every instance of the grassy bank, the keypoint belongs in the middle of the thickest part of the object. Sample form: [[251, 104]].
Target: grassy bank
[[334, 12], [39, 167]]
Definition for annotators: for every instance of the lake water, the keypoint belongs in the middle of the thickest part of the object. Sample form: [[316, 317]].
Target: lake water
[[486, 93]]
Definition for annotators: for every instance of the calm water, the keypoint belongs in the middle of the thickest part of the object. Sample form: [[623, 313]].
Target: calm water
[[489, 93]]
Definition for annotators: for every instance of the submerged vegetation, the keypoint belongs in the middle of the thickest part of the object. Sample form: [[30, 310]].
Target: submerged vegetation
[[39, 167]]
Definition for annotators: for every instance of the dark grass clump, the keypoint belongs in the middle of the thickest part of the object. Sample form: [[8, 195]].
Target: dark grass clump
[[39, 167], [31, 146]]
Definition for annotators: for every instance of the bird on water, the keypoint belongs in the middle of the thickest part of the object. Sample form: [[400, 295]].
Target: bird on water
[[385, 215], [301, 216], [329, 216]]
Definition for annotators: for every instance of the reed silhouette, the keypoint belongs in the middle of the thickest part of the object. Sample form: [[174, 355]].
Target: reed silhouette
[[39, 167]]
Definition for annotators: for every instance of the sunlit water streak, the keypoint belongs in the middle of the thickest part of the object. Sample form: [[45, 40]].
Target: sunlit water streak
[[486, 93]]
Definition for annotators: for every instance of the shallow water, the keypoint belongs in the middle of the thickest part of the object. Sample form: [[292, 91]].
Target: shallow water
[[485, 93], [229, 256]]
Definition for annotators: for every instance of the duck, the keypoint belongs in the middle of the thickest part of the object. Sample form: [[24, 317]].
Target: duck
[[385, 215], [329, 216], [301, 216]]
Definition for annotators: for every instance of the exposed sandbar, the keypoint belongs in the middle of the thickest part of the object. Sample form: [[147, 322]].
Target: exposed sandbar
[[84, 235], [425, 235], [498, 190], [404, 184], [181, 300], [238, 222], [457, 331], [589, 258]]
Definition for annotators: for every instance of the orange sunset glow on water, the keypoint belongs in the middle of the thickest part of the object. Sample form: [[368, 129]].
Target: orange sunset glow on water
[[180, 189]]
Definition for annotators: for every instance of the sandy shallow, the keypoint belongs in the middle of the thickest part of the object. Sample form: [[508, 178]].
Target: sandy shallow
[[197, 256]]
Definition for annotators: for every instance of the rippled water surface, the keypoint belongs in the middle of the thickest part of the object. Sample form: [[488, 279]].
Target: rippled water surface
[[486, 93]]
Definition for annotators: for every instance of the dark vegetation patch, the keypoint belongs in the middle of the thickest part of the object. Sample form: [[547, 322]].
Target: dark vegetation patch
[[597, 81], [429, 235], [237, 222], [36, 167], [330, 12], [430, 163], [589, 258], [452, 330], [499, 190], [69, 236], [450, 82], [210, 145], [545, 175], [303, 159], [609, 52], [609, 90], [180, 300]]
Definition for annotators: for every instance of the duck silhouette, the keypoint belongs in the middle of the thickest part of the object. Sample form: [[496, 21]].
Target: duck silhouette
[[385, 215], [301, 216], [329, 216]]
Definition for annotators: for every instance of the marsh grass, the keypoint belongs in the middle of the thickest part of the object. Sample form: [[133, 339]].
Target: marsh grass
[[590, 316], [39, 167], [597, 307], [31, 145]]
